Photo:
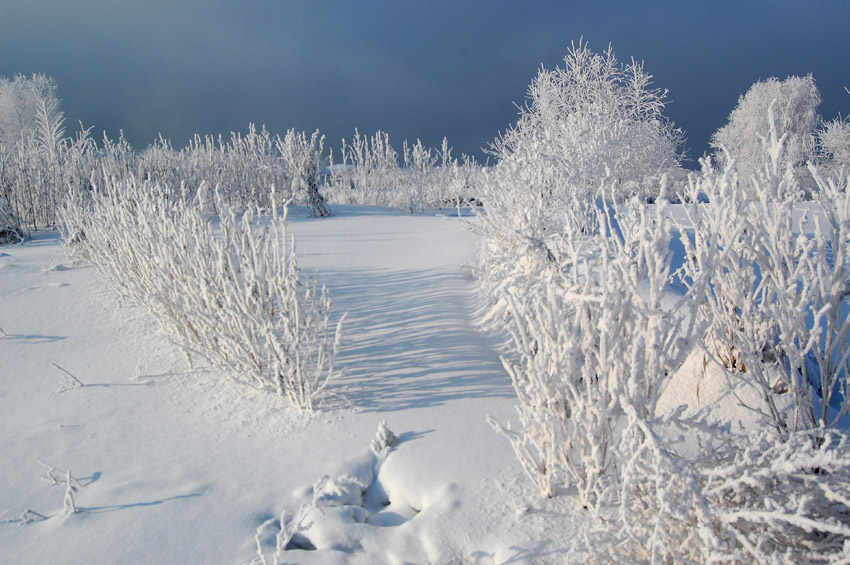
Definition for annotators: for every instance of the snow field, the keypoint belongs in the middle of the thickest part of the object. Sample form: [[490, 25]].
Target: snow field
[[179, 465]]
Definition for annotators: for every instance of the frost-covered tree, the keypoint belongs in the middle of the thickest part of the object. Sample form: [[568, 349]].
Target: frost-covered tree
[[302, 159], [21, 98], [794, 103], [592, 119], [38, 163], [590, 124], [577, 280]]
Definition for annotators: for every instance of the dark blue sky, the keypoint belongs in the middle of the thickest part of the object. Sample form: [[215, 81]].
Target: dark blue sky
[[413, 69]]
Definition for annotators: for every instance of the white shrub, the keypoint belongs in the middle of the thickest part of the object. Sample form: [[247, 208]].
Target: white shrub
[[777, 272], [793, 103], [302, 159], [577, 283], [754, 501], [20, 98], [592, 119], [834, 146], [38, 164], [368, 172], [595, 345], [232, 293]]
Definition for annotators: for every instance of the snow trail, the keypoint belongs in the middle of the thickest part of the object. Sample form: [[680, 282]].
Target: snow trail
[[409, 340]]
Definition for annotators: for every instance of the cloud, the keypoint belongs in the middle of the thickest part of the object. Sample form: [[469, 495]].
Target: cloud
[[415, 70]]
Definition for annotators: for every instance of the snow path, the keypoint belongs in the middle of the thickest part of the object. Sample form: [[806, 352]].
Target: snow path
[[181, 465]]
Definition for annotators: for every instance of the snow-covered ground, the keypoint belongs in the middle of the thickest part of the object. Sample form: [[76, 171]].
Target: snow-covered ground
[[180, 465]]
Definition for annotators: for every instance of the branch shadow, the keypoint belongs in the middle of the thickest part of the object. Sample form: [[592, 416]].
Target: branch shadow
[[114, 508], [408, 340], [411, 436], [28, 339]]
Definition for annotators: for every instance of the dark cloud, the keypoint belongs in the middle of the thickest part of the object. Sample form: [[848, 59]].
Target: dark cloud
[[415, 70]]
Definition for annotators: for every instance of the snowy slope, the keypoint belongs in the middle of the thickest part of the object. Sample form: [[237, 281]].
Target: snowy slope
[[179, 465]]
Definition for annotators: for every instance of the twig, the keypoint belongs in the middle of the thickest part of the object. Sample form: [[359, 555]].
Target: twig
[[75, 382], [68, 506], [52, 479], [29, 516]]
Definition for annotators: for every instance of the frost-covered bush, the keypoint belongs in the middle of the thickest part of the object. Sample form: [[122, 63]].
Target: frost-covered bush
[[793, 103], [576, 276], [778, 270], [302, 159], [753, 501], [230, 292], [38, 164], [834, 145], [368, 172], [596, 343], [590, 121]]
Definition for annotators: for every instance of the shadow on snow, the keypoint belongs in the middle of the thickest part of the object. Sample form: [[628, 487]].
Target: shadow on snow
[[407, 341]]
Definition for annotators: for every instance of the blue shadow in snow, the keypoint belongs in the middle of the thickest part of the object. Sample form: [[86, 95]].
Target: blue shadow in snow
[[408, 340]]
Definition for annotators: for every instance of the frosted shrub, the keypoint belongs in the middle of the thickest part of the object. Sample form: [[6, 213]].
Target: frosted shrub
[[577, 282], [384, 439], [595, 346], [754, 501], [592, 119], [20, 97], [368, 172], [787, 106], [374, 169], [38, 164], [778, 272], [834, 146], [830, 267], [233, 294], [302, 159]]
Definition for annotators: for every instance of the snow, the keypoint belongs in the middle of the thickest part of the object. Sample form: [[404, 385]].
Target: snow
[[180, 465]]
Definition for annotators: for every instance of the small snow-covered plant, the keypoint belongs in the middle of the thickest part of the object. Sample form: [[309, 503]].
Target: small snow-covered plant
[[383, 440], [289, 526], [68, 380], [834, 146], [69, 506], [231, 292]]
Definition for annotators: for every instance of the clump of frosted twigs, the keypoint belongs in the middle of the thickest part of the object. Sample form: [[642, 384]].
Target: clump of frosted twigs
[[384, 439], [763, 502], [229, 290]]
